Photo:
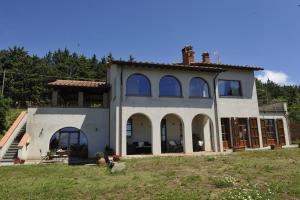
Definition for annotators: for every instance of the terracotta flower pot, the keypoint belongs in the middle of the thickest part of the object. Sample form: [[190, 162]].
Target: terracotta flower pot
[[101, 161]]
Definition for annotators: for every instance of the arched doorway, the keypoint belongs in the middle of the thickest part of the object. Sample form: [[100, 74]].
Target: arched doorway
[[202, 133], [139, 135], [72, 141], [171, 134]]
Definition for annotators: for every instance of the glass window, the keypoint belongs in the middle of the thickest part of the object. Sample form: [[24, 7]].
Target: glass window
[[270, 128], [66, 138], [129, 128], [230, 88], [169, 86], [138, 85], [198, 88]]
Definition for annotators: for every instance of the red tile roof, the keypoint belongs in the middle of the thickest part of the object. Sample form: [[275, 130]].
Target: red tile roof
[[76, 83], [211, 67]]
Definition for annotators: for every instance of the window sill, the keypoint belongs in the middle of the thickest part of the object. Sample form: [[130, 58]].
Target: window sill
[[138, 95], [191, 97], [232, 97], [171, 97]]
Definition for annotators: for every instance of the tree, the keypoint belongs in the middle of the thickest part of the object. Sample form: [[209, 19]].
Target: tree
[[4, 105]]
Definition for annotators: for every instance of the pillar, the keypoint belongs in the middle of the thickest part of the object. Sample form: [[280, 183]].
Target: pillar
[[80, 99], [54, 97]]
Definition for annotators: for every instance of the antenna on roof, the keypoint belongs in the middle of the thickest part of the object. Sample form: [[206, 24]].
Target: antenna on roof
[[217, 57]]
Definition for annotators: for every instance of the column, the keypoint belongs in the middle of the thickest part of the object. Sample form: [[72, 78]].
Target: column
[[187, 137], [80, 99], [54, 97], [156, 137]]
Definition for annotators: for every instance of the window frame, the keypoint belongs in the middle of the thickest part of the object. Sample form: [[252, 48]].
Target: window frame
[[232, 96], [170, 96], [199, 97], [137, 95], [129, 122]]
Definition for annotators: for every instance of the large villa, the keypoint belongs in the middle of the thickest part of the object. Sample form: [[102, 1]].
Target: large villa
[[151, 108]]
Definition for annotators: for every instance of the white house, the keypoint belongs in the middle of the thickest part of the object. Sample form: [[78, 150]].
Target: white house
[[151, 108]]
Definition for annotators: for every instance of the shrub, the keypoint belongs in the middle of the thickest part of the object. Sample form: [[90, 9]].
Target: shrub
[[223, 182], [109, 151], [99, 155], [116, 158]]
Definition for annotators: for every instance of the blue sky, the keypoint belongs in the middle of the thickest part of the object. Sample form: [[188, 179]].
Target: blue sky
[[254, 32]]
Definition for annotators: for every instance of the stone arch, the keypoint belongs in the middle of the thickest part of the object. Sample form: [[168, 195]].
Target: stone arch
[[172, 133], [202, 133], [139, 136]]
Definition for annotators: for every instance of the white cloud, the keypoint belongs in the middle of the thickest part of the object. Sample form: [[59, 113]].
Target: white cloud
[[278, 77]]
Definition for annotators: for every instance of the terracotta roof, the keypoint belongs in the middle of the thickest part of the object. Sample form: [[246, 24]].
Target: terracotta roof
[[212, 67], [170, 66], [76, 83], [230, 66]]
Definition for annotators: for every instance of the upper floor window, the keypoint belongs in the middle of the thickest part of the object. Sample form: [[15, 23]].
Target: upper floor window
[[230, 88], [138, 85], [169, 86], [199, 88]]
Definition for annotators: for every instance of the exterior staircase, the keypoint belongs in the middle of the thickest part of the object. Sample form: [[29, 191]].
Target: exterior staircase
[[12, 152]]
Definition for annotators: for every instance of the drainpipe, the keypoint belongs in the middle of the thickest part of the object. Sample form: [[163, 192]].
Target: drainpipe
[[216, 112], [120, 111]]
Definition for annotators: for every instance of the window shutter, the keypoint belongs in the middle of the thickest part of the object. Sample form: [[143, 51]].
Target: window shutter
[[254, 132], [280, 131]]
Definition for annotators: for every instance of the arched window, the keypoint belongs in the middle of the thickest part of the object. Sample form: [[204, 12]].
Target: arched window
[[71, 140], [169, 86], [199, 88], [138, 85]]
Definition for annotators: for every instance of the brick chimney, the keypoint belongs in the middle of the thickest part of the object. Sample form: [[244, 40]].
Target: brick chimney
[[188, 55], [205, 58]]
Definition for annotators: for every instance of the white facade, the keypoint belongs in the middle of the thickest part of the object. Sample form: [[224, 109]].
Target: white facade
[[189, 119]]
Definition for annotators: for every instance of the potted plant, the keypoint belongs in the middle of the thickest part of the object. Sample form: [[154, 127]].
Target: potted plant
[[116, 158], [100, 158]]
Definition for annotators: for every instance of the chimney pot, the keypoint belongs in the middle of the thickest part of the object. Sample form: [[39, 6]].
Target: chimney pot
[[188, 55], [205, 58]]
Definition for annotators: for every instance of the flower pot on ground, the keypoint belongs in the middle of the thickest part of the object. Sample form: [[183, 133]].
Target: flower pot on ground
[[272, 146], [100, 158]]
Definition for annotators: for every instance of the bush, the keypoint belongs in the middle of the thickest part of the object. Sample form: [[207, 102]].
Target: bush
[[99, 155], [109, 151], [116, 158]]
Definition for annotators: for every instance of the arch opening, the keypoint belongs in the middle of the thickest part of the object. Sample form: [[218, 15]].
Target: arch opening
[[171, 134], [139, 135], [69, 141], [202, 133]]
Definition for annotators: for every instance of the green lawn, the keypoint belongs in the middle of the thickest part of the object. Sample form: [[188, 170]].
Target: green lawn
[[274, 174]]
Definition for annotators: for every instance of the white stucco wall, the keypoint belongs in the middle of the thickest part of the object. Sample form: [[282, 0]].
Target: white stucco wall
[[42, 123], [155, 107]]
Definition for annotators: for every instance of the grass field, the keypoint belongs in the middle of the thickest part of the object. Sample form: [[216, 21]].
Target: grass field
[[259, 174]]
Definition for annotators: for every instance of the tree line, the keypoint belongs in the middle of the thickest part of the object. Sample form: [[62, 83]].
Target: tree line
[[27, 77]]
